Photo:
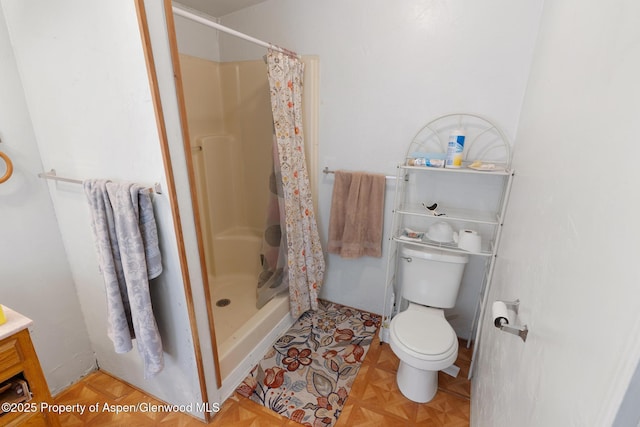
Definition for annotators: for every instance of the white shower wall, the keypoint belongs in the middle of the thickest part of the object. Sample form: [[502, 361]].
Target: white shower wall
[[230, 126]]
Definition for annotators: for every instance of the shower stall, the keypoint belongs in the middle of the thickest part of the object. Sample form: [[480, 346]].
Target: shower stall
[[230, 125]]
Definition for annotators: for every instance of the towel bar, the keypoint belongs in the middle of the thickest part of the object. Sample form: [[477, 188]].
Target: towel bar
[[157, 188], [326, 171]]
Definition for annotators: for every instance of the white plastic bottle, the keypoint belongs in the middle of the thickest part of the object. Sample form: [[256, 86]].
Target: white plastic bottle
[[455, 147]]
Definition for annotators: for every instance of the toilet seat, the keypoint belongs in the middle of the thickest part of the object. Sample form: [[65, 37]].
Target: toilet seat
[[424, 332], [407, 333]]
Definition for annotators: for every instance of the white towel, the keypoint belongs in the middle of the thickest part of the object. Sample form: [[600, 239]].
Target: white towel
[[126, 241]]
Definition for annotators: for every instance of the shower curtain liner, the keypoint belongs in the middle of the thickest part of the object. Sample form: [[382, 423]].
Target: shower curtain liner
[[272, 280], [304, 266]]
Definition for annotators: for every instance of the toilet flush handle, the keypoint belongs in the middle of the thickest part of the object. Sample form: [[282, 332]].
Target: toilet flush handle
[[407, 258]]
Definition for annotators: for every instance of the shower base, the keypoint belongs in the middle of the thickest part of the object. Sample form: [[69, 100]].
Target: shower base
[[243, 332]]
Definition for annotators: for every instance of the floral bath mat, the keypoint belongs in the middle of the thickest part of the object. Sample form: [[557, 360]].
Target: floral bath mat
[[307, 374]]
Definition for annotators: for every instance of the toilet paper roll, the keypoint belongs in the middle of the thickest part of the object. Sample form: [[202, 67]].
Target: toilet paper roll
[[469, 240], [500, 314]]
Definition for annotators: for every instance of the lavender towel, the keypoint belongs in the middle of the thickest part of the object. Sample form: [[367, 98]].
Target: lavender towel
[[126, 239]]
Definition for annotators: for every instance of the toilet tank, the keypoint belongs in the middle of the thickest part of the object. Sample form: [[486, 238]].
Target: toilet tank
[[429, 276]]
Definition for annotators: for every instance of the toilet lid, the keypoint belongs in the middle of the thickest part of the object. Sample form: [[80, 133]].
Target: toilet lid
[[424, 332]]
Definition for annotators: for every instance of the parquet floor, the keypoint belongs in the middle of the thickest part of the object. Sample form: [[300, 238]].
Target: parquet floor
[[374, 401]]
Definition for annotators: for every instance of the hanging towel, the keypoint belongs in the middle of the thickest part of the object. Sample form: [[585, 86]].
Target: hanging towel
[[357, 211], [126, 240]]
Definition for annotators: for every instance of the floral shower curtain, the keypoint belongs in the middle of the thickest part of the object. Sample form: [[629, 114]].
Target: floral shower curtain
[[305, 261]]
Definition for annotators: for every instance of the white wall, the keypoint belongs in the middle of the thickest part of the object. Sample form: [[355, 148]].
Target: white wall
[[570, 245], [87, 90], [35, 277], [196, 39], [386, 69]]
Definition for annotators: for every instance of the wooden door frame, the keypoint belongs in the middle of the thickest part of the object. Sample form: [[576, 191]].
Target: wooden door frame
[[171, 190]]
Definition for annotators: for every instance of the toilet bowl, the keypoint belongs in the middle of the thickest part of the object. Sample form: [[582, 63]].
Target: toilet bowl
[[425, 343]]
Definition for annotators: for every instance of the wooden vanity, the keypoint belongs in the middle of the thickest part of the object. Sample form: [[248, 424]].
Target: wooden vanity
[[19, 367]]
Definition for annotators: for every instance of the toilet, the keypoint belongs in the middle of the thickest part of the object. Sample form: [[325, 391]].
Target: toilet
[[420, 335]]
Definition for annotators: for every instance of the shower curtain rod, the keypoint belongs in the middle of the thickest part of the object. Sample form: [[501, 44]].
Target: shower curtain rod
[[209, 23]]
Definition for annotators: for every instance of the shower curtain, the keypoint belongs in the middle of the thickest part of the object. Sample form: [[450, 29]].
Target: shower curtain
[[305, 265], [273, 257]]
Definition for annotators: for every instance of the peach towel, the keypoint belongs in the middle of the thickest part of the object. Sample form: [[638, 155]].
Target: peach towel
[[357, 212]]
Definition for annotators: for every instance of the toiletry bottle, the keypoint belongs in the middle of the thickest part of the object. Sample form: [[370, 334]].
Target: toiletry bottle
[[3, 318], [455, 149]]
